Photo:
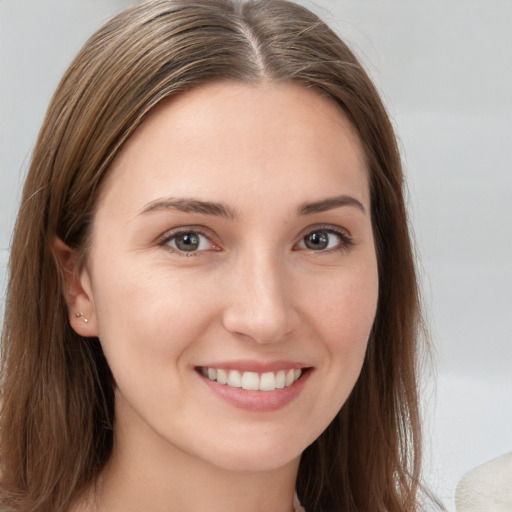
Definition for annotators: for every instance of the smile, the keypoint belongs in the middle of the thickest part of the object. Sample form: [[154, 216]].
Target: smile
[[252, 381]]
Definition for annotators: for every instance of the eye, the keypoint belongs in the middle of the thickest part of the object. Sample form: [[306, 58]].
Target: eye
[[325, 239], [189, 242]]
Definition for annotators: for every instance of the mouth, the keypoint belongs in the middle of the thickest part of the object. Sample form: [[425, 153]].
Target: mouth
[[256, 387], [253, 381]]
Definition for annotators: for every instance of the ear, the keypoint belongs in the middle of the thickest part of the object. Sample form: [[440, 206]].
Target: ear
[[77, 290]]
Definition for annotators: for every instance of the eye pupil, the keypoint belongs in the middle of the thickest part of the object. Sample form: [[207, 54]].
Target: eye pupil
[[187, 241], [317, 240]]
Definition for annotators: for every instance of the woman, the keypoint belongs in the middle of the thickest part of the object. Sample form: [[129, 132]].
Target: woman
[[212, 299]]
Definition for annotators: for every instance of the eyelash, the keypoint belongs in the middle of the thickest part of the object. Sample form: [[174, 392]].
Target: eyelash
[[345, 240], [186, 231]]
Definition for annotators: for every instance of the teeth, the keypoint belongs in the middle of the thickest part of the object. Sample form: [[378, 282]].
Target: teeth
[[234, 379], [268, 381], [222, 376], [250, 380], [280, 379]]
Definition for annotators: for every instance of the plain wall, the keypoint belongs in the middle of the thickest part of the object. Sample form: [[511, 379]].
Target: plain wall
[[445, 72]]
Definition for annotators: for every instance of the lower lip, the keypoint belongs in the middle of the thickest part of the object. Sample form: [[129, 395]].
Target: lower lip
[[258, 401]]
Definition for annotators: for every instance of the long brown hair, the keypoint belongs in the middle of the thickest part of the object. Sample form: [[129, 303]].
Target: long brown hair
[[57, 395]]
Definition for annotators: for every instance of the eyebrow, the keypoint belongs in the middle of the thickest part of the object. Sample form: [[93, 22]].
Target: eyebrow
[[222, 210], [329, 204], [191, 205]]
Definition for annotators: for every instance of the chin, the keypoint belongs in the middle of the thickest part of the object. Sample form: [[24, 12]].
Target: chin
[[252, 463], [254, 457]]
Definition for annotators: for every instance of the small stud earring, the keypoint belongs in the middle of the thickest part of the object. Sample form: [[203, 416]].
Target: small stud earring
[[78, 315]]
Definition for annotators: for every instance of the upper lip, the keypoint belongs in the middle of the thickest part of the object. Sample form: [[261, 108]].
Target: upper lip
[[246, 365]]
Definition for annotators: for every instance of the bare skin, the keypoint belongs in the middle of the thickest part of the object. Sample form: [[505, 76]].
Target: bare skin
[[233, 233]]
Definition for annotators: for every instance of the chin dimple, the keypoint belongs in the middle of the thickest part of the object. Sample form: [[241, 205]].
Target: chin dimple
[[252, 381]]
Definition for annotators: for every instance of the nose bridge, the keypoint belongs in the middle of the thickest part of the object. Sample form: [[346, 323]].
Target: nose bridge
[[259, 305]]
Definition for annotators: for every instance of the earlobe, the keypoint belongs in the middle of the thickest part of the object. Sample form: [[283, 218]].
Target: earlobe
[[82, 316], [76, 289]]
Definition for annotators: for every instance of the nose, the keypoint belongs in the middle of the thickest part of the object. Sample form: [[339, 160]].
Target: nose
[[260, 305]]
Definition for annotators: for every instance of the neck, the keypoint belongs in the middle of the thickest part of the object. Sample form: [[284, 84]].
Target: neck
[[148, 473]]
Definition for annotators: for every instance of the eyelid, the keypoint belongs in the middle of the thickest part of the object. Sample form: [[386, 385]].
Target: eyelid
[[164, 239], [346, 238]]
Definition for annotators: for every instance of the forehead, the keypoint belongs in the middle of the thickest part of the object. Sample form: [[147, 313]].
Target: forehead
[[268, 138]]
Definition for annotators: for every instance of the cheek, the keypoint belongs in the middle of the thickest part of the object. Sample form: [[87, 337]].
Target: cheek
[[346, 335], [343, 307], [149, 325], [147, 319], [342, 313]]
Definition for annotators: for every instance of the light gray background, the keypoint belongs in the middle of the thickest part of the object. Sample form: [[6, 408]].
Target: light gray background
[[445, 71]]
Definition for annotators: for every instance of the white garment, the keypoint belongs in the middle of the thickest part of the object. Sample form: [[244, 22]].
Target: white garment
[[486, 488]]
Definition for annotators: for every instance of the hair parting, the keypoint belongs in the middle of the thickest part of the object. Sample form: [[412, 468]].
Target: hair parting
[[57, 391]]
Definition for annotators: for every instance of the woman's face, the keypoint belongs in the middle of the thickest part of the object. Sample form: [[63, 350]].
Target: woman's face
[[232, 246]]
